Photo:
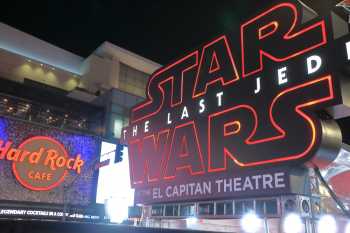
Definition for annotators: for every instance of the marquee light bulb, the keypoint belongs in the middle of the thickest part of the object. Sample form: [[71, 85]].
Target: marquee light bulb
[[327, 224], [251, 223], [293, 223]]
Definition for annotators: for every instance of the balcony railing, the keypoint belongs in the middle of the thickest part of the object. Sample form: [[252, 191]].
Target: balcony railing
[[49, 115]]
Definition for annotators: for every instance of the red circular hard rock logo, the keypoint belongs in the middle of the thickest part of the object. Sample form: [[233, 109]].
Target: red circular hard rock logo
[[41, 163]]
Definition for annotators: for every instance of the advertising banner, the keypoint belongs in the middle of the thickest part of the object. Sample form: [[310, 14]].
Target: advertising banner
[[263, 95], [46, 214]]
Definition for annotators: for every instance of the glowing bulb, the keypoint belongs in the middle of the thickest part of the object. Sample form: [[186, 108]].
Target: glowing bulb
[[327, 224], [251, 223], [293, 223]]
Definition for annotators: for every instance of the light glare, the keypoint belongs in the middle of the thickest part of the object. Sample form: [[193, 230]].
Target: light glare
[[191, 221], [327, 224], [251, 223], [347, 228], [293, 223]]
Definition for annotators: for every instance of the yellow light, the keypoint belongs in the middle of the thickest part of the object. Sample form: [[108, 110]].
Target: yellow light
[[71, 84]]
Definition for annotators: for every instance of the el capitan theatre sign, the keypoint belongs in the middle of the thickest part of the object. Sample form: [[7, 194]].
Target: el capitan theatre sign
[[40, 163], [260, 96]]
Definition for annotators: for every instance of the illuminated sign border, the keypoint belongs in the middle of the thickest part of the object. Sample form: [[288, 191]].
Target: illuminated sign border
[[28, 186]]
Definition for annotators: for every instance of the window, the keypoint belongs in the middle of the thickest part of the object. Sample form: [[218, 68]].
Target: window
[[118, 123], [228, 208], [171, 210], [248, 206], [157, 211], [224, 208], [266, 207], [187, 210], [242, 207], [220, 208], [206, 209], [260, 207], [176, 210], [271, 207], [117, 128], [239, 208], [126, 121]]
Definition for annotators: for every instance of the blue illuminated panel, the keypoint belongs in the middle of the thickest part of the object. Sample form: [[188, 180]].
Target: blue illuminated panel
[[82, 191]]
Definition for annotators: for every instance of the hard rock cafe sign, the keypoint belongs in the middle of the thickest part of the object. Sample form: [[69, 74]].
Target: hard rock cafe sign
[[40, 163], [263, 95]]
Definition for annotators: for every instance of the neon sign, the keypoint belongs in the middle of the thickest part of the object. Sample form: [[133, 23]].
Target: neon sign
[[249, 99], [40, 163]]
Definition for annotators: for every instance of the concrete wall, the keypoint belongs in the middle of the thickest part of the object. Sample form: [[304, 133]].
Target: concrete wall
[[99, 74], [23, 56], [21, 43], [17, 68]]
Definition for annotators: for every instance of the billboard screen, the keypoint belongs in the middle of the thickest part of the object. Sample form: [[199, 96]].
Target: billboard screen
[[114, 189], [37, 162]]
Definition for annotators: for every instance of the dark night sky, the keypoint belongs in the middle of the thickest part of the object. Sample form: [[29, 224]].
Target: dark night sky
[[160, 30]]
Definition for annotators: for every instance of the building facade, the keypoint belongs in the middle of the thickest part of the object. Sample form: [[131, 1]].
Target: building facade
[[111, 77], [61, 108]]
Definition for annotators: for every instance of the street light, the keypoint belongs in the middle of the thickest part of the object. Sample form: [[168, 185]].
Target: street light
[[327, 224], [293, 223], [251, 223]]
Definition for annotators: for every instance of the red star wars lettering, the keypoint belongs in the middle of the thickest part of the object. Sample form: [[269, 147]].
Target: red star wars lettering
[[204, 116]]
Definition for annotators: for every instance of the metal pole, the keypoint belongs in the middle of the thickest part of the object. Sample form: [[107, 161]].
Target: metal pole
[[64, 204], [266, 225]]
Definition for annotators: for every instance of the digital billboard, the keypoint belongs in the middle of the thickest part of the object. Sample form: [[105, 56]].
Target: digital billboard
[[261, 96], [47, 165], [114, 189]]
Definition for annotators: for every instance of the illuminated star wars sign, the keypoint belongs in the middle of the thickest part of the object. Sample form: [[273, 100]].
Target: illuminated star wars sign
[[40, 163], [252, 98]]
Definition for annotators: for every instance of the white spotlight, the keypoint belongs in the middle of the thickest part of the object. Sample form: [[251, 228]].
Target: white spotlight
[[251, 223], [191, 221], [347, 228], [327, 224], [293, 223]]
